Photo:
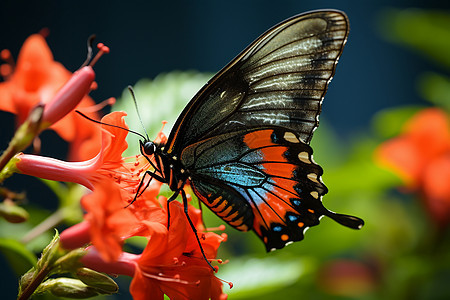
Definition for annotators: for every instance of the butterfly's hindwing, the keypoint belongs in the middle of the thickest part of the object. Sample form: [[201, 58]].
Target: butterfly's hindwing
[[290, 200], [268, 172], [279, 80]]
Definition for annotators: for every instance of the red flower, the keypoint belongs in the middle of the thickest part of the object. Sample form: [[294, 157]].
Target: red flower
[[108, 163], [108, 222], [171, 264], [37, 79], [421, 157], [348, 278]]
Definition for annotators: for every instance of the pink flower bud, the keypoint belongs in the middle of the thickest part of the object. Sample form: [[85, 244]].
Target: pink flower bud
[[69, 96], [125, 265], [76, 236]]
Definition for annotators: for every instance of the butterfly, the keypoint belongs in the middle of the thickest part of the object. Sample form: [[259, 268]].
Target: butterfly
[[242, 142]]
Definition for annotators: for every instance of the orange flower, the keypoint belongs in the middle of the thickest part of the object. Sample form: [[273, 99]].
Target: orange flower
[[114, 182], [170, 264], [108, 222], [348, 278], [108, 163], [421, 157], [36, 79]]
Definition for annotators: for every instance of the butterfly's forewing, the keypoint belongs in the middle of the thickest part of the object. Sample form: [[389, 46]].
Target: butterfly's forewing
[[280, 80]]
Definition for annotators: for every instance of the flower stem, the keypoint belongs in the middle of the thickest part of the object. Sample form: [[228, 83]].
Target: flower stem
[[34, 284], [49, 223], [7, 155], [23, 137]]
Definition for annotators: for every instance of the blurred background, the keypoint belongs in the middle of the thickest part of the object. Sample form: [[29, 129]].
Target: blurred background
[[395, 65]]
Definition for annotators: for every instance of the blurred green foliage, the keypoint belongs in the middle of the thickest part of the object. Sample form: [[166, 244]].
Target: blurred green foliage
[[425, 32]]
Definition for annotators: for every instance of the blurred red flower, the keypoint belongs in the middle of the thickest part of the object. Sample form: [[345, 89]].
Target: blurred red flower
[[171, 263], [347, 278], [36, 79], [421, 157]]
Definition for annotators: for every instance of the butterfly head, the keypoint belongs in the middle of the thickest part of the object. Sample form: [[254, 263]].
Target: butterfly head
[[148, 147]]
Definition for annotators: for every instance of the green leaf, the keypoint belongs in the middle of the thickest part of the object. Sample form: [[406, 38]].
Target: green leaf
[[428, 32], [19, 231], [50, 254], [435, 88], [389, 122], [252, 277], [19, 257], [69, 196]]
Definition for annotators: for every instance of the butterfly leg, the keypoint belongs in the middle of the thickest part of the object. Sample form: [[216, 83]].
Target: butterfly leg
[[173, 197], [201, 211], [141, 190], [186, 212]]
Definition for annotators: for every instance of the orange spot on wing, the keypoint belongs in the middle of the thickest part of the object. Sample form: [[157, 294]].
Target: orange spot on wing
[[285, 189], [226, 211], [284, 237], [274, 162], [259, 138], [273, 212], [221, 207], [231, 217], [277, 169], [274, 153], [215, 201], [236, 223]]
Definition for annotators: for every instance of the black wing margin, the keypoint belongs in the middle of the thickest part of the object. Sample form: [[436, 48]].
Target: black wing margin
[[279, 80]]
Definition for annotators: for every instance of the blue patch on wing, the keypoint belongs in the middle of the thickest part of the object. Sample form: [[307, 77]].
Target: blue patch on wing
[[235, 173]]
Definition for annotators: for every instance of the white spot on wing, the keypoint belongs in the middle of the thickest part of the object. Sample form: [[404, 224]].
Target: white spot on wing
[[304, 157], [290, 137], [313, 177]]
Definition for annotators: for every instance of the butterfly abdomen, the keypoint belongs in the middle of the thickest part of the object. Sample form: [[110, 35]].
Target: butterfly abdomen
[[225, 204]]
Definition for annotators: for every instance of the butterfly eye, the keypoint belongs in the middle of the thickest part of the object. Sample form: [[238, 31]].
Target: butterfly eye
[[149, 148]]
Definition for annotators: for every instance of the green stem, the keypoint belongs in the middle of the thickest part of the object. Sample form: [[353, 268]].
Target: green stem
[[29, 290], [23, 137], [7, 155], [49, 223]]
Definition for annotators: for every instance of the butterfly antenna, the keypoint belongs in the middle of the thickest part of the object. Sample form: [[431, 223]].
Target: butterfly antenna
[[110, 125], [130, 88]]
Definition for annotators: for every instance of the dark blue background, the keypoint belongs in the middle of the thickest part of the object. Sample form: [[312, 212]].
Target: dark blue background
[[150, 37]]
